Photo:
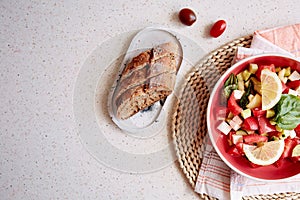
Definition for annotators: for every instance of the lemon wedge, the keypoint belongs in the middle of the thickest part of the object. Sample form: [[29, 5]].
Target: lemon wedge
[[271, 89], [266, 154]]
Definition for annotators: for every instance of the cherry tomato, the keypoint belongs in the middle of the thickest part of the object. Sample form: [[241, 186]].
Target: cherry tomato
[[218, 28], [187, 16]]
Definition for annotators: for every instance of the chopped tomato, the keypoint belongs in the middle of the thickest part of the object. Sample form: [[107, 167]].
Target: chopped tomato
[[254, 138], [293, 84], [279, 162], [258, 112], [264, 125], [261, 67], [288, 147], [295, 159], [285, 89], [230, 135], [239, 146], [233, 151], [233, 106], [254, 165], [250, 123]]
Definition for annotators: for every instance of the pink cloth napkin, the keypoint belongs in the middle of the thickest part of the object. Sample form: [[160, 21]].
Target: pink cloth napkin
[[215, 178]]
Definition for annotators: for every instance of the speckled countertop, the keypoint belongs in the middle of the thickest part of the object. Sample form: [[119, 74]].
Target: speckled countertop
[[44, 44]]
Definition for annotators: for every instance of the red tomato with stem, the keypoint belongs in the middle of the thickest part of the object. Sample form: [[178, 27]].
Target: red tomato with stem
[[218, 28]]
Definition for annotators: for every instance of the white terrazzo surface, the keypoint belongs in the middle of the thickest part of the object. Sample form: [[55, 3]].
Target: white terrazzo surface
[[43, 46]]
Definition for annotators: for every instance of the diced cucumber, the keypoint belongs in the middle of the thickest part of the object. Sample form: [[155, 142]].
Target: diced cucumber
[[246, 74], [241, 132], [253, 68], [281, 75], [287, 71], [240, 82], [250, 132], [241, 85], [277, 69], [246, 113], [270, 113], [247, 83], [278, 128], [250, 97], [256, 85], [239, 76], [255, 102], [230, 115]]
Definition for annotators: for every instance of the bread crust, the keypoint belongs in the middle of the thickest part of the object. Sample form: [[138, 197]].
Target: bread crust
[[148, 78], [140, 76]]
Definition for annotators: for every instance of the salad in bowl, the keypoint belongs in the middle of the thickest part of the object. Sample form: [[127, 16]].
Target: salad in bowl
[[254, 117]]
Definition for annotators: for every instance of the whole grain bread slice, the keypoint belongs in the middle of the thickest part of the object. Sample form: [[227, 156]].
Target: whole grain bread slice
[[148, 78], [142, 96]]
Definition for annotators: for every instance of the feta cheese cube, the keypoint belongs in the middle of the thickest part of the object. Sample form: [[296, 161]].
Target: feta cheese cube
[[224, 128], [237, 119], [238, 94], [294, 76], [235, 123]]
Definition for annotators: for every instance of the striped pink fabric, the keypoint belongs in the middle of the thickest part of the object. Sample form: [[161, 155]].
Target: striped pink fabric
[[215, 178]]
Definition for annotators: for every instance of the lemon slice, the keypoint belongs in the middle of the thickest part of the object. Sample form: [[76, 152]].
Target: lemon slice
[[266, 154], [296, 151], [271, 89]]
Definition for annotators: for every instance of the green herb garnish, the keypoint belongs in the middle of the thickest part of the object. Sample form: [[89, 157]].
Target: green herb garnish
[[230, 84], [287, 112]]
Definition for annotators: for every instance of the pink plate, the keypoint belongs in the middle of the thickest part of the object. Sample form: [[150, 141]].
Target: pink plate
[[219, 140]]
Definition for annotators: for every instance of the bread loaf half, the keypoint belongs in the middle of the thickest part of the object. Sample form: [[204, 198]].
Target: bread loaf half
[[148, 78]]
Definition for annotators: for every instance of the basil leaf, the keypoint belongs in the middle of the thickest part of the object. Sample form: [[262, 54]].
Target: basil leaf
[[244, 100], [230, 84], [287, 112]]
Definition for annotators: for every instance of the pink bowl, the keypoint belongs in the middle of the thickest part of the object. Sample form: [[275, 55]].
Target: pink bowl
[[219, 140]]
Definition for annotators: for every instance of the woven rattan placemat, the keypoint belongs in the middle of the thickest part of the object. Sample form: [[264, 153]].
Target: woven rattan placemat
[[189, 119]]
